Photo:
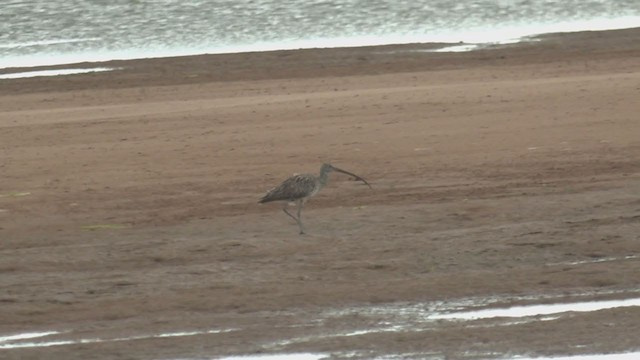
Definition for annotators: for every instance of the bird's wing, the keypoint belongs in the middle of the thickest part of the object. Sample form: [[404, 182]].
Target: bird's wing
[[294, 188]]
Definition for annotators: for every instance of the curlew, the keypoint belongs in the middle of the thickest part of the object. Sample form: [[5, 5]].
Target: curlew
[[299, 188]]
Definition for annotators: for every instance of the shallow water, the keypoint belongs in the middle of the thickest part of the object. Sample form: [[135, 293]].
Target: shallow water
[[312, 356], [40, 32], [386, 318]]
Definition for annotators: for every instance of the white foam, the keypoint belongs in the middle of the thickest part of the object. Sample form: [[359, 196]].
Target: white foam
[[44, 42], [301, 356], [593, 261], [52, 72], [624, 356], [27, 336], [534, 310], [457, 48], [17, 345]]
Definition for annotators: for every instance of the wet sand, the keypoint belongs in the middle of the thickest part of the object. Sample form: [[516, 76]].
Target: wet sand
[[129, 220]]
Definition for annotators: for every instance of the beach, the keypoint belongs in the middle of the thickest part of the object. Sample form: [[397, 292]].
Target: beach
[[129, 221]]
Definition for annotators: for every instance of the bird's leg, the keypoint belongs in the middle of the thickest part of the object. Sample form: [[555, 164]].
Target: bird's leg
[[297, 219], [300, 205], [288, 213]]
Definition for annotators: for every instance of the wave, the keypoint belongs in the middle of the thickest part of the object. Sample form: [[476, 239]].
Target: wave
[[504, 34], [45, 43]]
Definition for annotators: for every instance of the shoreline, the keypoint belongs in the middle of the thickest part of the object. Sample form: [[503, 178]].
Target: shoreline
[[489, 37], [426, 46], [284, 64]]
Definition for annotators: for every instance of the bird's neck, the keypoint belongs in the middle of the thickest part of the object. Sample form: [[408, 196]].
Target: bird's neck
[[323, 178]]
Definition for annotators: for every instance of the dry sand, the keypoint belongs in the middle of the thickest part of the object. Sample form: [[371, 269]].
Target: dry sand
[[128, 201]]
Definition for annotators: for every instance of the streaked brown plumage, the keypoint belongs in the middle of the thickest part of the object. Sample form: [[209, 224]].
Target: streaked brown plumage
[[299, 188]]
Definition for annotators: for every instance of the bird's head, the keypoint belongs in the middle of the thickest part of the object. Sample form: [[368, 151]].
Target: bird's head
[[327, 168]]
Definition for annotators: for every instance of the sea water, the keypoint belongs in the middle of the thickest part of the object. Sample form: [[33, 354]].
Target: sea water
[[39, 32]]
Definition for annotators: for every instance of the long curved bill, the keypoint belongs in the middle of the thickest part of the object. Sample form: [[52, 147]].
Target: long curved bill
[[354, 175]]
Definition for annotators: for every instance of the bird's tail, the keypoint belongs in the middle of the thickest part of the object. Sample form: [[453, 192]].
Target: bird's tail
[[264, 199]]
